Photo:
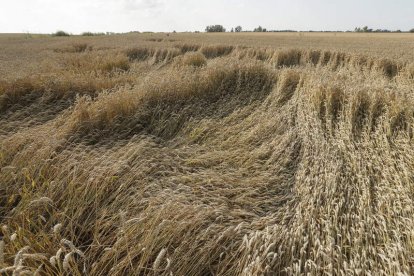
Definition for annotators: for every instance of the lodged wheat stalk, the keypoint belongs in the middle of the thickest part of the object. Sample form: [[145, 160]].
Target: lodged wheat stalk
[[200, 156]]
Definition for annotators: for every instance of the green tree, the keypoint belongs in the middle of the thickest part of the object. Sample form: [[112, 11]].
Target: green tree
[[215, 29], [259, 29], [60, 33]]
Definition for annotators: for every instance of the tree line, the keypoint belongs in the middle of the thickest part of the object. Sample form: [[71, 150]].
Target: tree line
[[365, 29], [238, 29]]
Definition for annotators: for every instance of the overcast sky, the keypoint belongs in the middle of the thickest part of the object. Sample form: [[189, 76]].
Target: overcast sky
[[45, 16]]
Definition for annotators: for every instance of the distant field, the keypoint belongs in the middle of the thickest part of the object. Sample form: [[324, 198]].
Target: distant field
[[22, 53], [207, 154]]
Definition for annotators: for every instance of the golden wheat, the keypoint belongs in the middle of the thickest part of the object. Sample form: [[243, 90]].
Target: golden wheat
[[207, 154]]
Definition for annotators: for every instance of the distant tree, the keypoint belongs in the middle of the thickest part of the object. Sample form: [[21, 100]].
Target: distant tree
[[259, 29], [398, 31], [91, 34], [238, 29], [215, 29], [412, 30], [381, 31], [365, 29], [232, 30], [60, 33]]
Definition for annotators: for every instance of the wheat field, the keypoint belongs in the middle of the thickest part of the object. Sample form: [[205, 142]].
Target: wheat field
[[207, 154]]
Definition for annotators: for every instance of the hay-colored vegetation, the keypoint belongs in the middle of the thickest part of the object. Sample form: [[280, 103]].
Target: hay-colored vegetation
[[197, 155]]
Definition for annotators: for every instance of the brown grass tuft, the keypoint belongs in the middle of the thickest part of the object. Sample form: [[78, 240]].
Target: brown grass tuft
[[289, 82], [139, 53], [387, 67], [194, 59], [312, 56], [75, 48], [287, 58], [216, 51], [165, 55], [185, 47], [360, 111]]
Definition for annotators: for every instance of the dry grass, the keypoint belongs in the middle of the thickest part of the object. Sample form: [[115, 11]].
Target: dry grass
[[182, 92], [195, 59], [197, 158], [74, 48], [214, 51], [185, 47]]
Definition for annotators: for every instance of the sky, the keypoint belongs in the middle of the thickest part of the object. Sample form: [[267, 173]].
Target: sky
[[76, 16]]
